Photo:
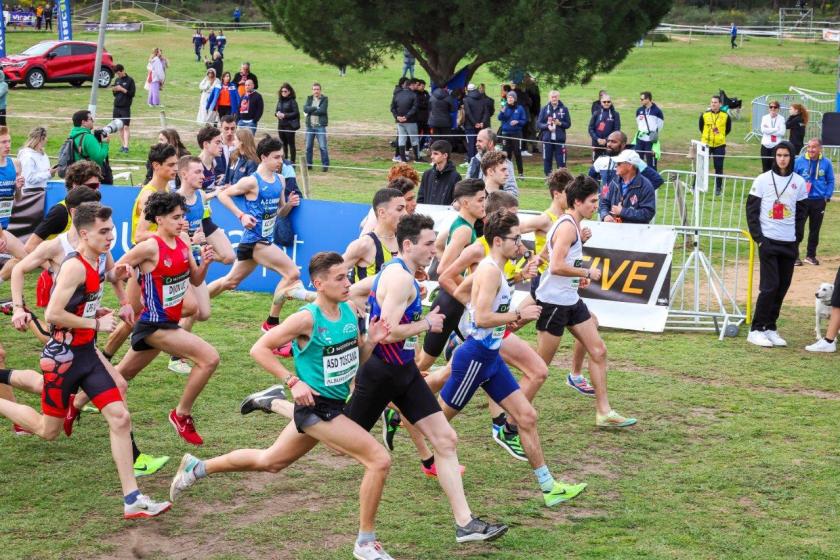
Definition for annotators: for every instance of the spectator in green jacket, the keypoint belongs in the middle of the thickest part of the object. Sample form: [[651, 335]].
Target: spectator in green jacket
[[91, 146]]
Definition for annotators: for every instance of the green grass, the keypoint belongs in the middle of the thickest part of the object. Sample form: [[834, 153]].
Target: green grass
[[734, 456]]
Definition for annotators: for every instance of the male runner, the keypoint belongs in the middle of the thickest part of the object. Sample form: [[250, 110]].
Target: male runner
[[561, 305], [328, 349], [496, 171], [477, 362], [167, 265], [70, 361], [209, 140], [391, 375], [11, 183], [263, 201]]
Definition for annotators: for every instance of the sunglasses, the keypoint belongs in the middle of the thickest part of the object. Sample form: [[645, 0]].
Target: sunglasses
[[93, 185], [774, 106], [606, 102]]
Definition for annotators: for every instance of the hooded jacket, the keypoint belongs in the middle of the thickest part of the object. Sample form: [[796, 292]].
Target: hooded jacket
[[476, 110], [818, 175], [516, 113], [559, 113], [603, 123], [404, 104], [638, 203], [436, 187], [441, 104]]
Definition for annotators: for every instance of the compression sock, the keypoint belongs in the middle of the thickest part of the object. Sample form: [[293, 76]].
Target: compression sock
[[6, 376], [830, 340], [273, 320], [131, 498], [544, 478], [200, 470], [365, 538], [135, 451], [500, 420], [428, 462]]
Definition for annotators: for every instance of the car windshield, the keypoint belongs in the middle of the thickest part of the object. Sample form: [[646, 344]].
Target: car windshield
[[39, 49]]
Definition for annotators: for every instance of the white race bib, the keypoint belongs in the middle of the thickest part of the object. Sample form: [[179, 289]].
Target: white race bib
[[410, 343], [6, 207], [268, 226], [174, 293], [92, 306], [340, 362]]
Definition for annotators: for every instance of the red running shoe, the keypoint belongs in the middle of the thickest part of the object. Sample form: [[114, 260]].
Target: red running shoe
[[73, 415], [19, 431], [185, 427], [284, 351], [432, 472], [266, 326]]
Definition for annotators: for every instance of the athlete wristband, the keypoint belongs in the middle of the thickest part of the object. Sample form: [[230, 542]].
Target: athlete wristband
[[429, 323], [96, 325], [292, 381]]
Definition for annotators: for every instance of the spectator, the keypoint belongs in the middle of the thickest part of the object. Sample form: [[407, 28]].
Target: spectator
[[532, 90], [48, 16], [477, 115], [819, 182], [156, 77], [198, 42], [829, 342], [485, 143], [216, 64], [437, 183], [123, 90], [496, 170], [242, 76], [797, 122], [237, 15], [34, 163], [404, 178], [228, 101], [773, 129], [513, 118], [88, 145], [733, 34], [316, 126], [603, 122], [775, 207], [714, 126], [397, 88], [441, 105], [408, 63], [250, 107], [39, 17], [649, 123], [222, 163], [552, 122], [422, 111], [630, 197], [211, 43], [171, 137], [4, 94], [603, 170], [244, 160], [596, 105], [404, 109], [210, 87], [221, 42], [288, 119]]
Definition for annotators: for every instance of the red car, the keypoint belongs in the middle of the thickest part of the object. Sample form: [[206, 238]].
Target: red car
[[57, 61]]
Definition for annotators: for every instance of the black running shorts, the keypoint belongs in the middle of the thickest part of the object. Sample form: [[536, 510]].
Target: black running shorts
[[555, 318], [245, 251], [325, 409], [379, 383], [70, 368], [452, 309], [208, 226], [143, 329]]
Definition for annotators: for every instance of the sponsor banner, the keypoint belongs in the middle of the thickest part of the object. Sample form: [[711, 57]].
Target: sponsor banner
[[832, 35], [93, 26], [65, 21]]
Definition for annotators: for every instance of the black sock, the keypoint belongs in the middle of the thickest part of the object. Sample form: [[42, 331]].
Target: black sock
[[829, 340], [511, 428], [135, 451], [273, 320], [428, 462], [5, 376], [500, 420]]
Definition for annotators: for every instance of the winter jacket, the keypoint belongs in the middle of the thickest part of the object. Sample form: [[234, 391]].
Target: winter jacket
[[562, 121], [408, 60], [797, 130], [515, 113], [649, 123], [603, 123], [318, 115], [436, 187], [255, 107], [291, 114], [441, 104], [198, 41], [241, 167], [638, 203], [233, 92], [476, 110], [91, 148], [213, 96], [404, 104], [818, 175], [251, 76], [772, 130], [603, 171], [422, 107]]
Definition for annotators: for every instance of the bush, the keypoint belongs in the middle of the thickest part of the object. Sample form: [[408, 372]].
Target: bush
[[819, 65], [657, 38]]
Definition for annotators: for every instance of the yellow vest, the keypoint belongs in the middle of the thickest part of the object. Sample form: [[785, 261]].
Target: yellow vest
[[510, 269], [711, 122], [135, 213], [539, 242], [69, 222]]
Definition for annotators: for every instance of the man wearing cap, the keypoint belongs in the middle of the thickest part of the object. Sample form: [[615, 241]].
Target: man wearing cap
[[477, 113], [603, 170], [629, 197]]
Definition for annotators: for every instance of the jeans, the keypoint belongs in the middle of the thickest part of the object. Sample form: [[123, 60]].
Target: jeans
[[553, 152], [471, 134], [776, 260], [409, 69], [717, 154], [249, 124], [321, 133], [406, 130]]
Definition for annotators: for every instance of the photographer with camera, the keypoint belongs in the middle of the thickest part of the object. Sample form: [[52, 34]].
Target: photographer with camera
[[92, 144]]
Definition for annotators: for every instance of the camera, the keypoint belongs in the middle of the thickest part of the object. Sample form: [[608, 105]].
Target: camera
[[108, 129]]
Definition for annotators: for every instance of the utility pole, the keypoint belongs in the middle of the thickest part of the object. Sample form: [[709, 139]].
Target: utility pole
[[97, 67]]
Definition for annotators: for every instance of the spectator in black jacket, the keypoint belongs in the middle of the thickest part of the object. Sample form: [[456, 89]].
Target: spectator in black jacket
[[244, 74], [422, 110], [796, 123], [441, 105], [288, 119], [533, 91], [404, 109], [552, 122], [602, 124], [596, 105], [123, 90], [250, 107], [437, 184], [477, 113]]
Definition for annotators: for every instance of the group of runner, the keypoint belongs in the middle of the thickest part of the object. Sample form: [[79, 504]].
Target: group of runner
[[355, 345]]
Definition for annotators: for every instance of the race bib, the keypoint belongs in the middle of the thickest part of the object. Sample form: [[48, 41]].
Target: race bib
[[174, 290], [6, 207], [772, 137], [340, 362], [92, 306], [778, 212], [268, 226], [499, 331], [576, 279], [410, 343]]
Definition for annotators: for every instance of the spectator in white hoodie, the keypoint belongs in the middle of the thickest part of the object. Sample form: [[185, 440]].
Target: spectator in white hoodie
[[773, 130], [34, 163]]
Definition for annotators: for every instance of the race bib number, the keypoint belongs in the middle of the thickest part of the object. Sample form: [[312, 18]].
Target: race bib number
[[268, 226], [576, 280], [499, 331], [410, 343], [6, 208], [92, 306], [340, 362], [174, 290]]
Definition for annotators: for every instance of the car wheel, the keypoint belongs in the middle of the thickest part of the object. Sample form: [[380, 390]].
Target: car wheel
[[105, 76], [35, 78], [76, 83]]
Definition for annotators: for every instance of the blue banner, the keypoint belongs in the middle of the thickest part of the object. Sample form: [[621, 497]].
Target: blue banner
[[65, 21], [319, 225], [2, 30]]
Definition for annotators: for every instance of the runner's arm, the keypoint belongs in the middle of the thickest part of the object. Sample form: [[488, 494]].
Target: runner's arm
[[71, 275], [19, 180], [564, 236], [357, 251], [440, 241], [539, 223], [244, 186], [198, 272], [376, 333], [398, 289], [27, 264], [458, 241], [296, 325], [451, 277], [146, 251], [142, 233]]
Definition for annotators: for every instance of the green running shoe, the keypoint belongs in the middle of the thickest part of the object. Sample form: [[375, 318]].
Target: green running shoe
[[613, 420], [511, 443], [390, 422], [562, 492], [146, 464]]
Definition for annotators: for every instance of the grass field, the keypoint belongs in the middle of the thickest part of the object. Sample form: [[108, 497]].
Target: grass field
[[735, 454]]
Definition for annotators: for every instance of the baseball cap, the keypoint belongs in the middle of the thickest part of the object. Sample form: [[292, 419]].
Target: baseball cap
[[471, 87], [627, 156]]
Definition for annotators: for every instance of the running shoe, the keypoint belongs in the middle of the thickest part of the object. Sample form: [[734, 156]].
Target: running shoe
[[90, 409], [284, 351], [432, 472], [178, 365], [73, 415], [185, 427], [144, 507], [562, 492], [148, 464], [759, 338], [6, 307], [370, 551], [184, 478], [822, 345], [812, 260], [20, 431], [479, 530], [453, 342], [261, 400], [390, 422], [613, 419], [797, 262], [511, 443], [266, 326], [774, 338], [583, 387]]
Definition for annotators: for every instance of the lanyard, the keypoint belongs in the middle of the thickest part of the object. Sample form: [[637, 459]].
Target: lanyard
[[778, 194]]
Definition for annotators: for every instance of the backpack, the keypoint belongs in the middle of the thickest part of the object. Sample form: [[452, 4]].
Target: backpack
[[68, 152]]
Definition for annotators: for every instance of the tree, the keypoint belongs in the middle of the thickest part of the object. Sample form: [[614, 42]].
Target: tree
[[565, 41]]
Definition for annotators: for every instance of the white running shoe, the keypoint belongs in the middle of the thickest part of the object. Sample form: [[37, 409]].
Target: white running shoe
[[526, 153], [773, 336], [370, 551], [184, 478], [144, 507], [822, 345], [759, 339], [179, 366]]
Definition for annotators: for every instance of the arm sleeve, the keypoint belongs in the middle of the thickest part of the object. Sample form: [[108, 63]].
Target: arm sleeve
[[504, 116], [604, 204], [322, 107], [801, 216], [54, 222], [294, 113], [4, 88], [566, 121], [413, 110], [132, 88], [653, 176], [421, 192], [257, 109], [92, 148], [29, 170], [542, 119], [394, 106], [307, 106], [754, 217]]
